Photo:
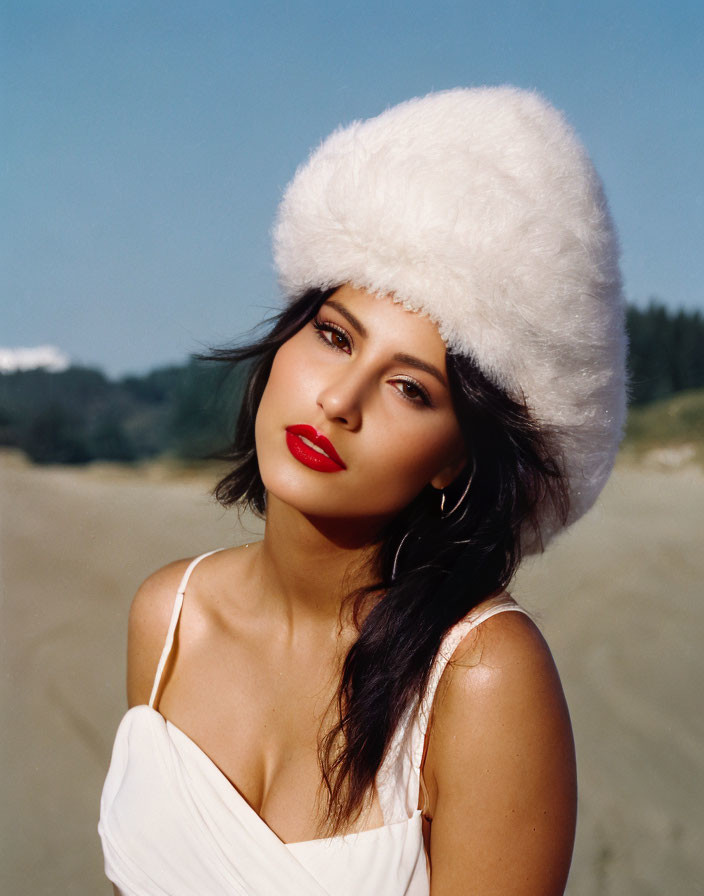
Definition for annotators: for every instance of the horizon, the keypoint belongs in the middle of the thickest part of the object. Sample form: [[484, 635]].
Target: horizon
[[54, 360]]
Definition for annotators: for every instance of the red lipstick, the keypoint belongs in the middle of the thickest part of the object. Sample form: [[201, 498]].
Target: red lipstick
[[297, 438]]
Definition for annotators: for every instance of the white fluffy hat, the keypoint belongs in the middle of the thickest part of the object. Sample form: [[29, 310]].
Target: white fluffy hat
[[481, 209]]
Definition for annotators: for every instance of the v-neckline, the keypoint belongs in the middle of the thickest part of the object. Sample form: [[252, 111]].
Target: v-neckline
[[235, 794]]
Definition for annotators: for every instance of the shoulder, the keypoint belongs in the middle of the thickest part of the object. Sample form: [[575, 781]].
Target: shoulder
[[150, 614], [501, 760], [502, 675], [501, 661]]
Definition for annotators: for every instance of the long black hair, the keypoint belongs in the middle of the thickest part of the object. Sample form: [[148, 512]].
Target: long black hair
[[432, 567]]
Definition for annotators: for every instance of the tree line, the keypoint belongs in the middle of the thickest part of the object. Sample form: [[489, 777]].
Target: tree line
[[189, 411], [79, 415], [666, 352]]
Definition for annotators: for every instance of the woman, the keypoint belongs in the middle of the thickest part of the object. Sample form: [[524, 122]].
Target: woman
[[355, 704]]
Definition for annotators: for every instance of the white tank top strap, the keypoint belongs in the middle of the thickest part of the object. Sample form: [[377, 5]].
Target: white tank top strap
[[448, 646], [175, 615], [399, 782], [452, 641]]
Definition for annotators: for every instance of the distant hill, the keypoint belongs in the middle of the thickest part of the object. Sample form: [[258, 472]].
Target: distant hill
[[675, 423]]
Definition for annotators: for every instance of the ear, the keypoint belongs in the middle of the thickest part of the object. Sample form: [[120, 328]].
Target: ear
[[449, 473]]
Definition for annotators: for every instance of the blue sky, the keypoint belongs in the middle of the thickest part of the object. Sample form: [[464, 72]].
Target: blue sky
[[146, 144]]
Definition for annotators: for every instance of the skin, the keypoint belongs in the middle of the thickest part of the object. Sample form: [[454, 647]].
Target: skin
[[263, 630]]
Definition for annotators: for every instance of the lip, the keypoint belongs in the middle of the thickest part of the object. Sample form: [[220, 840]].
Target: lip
[[330, 462]]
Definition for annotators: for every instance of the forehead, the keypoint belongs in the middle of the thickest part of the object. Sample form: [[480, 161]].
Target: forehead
[[382, 318]]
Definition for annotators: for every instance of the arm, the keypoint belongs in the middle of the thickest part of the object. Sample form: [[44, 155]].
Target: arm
[[500, 768]]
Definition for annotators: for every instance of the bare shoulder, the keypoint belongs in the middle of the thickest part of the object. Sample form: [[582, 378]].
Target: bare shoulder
[[149, 618], [504, 676], [505, 659], [501, 763]]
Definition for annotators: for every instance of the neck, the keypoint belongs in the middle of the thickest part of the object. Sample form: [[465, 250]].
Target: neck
[[314, 564]]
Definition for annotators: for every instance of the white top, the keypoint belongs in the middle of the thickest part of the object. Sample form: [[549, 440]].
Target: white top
[[172, 824]]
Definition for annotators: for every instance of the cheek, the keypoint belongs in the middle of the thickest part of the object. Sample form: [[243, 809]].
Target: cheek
[[292, 372], [282, 383], [269, 418], [411, 459], [288, 383], [267, 426]]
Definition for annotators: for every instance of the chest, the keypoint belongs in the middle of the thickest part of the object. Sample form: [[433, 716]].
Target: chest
[[169, 818], [258, 709]]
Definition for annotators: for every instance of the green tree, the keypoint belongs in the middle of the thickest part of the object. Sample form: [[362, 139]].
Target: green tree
[[204, 409], [109, 441], [666, 351], [54, 436]]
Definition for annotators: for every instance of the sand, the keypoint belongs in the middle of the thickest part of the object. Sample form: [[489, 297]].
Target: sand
[[619, 598]]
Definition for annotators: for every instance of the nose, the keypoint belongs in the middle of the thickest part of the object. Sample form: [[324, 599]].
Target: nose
[[341, 400]]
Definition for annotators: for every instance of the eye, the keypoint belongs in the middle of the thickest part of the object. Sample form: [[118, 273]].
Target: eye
[[413, 391], [333, 335]]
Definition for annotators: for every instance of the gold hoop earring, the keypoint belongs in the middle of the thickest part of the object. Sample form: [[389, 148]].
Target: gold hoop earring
[[396, 556], [449, 513]]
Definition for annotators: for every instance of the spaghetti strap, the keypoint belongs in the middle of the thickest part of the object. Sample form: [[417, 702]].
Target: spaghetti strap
[[399, 782], [452, 641], [175, 615], [447, 649]]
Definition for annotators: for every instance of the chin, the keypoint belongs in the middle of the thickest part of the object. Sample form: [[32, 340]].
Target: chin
[[309, 502], [325, 502]]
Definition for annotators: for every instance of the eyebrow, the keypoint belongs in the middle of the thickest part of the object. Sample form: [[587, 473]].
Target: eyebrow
[[349, 317], [401, 357], [412, 361]]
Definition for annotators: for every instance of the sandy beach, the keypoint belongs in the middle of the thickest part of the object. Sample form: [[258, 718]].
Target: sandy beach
[[619, 598]]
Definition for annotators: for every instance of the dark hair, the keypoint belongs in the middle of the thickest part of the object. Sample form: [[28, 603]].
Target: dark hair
[[432, 569]]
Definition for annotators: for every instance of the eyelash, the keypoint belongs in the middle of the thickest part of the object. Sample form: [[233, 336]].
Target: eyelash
[[423, 397], [323, 327]]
